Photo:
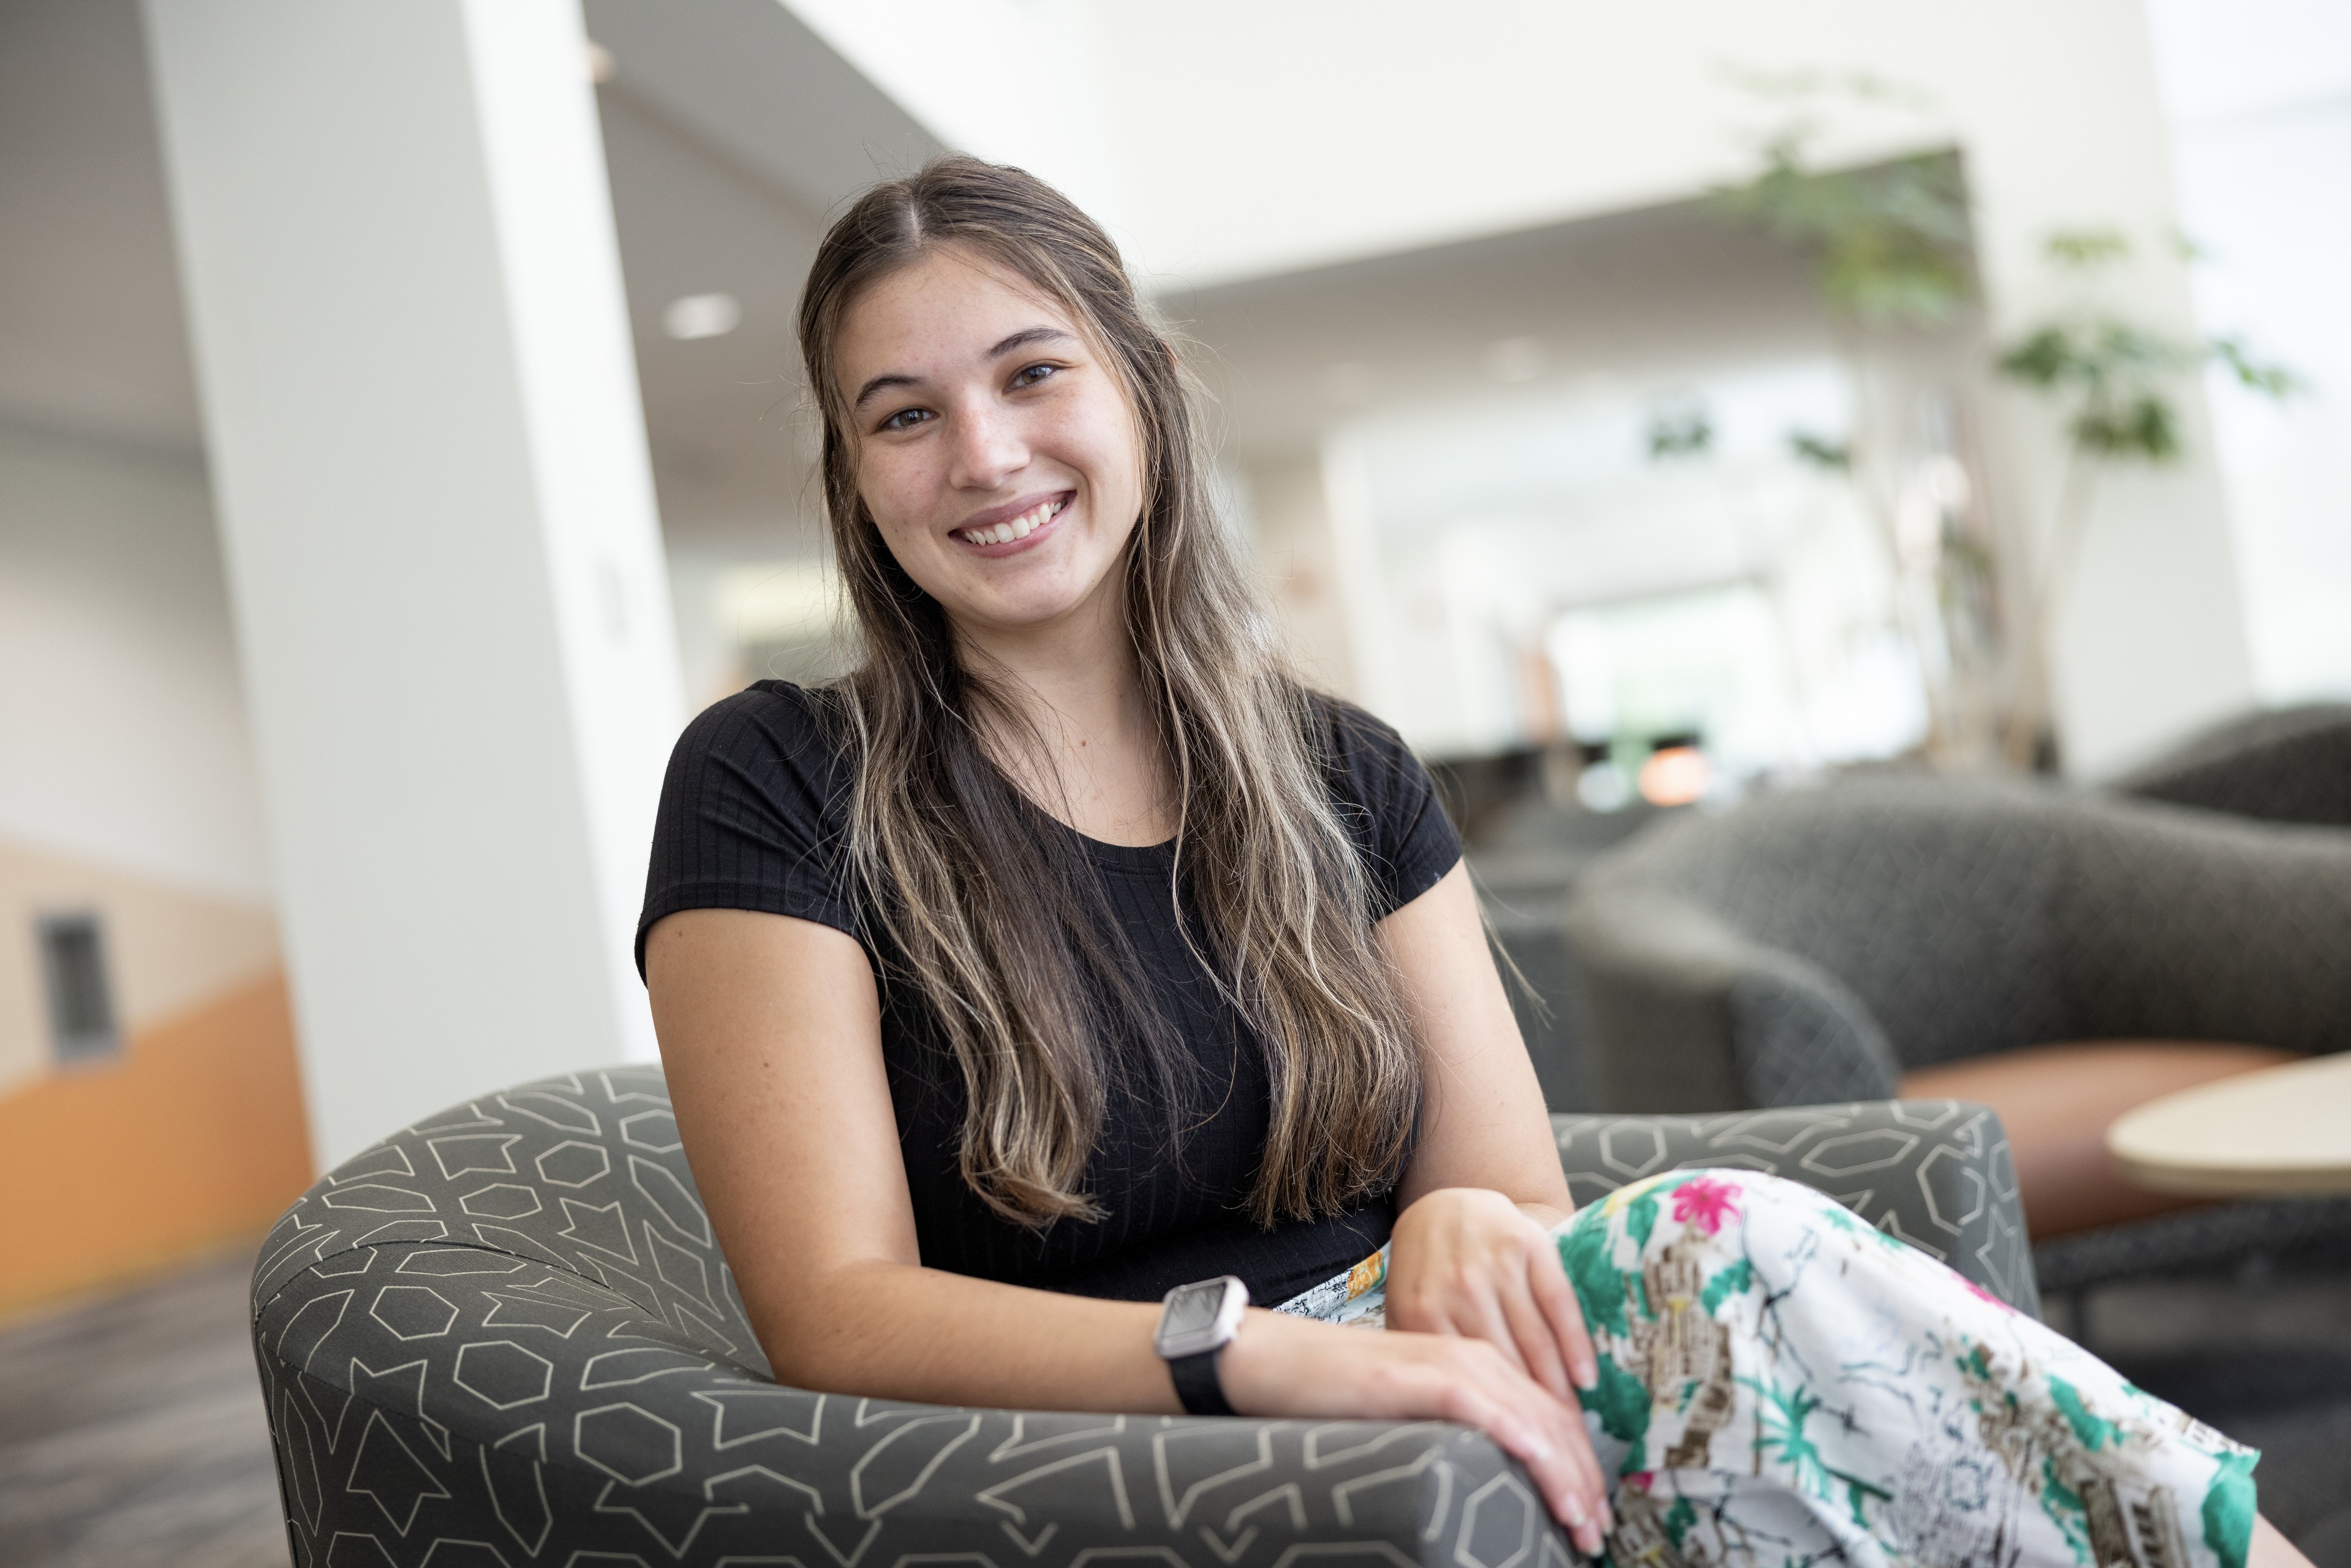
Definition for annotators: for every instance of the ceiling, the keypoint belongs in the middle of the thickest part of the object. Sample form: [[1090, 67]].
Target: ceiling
[[727, 142], [1638, 298]]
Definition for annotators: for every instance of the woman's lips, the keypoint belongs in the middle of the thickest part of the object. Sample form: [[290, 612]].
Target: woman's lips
[[1016, 533]]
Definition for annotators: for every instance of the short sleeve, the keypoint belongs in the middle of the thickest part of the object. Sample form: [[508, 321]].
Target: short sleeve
[[753, 815], [1389, 804]]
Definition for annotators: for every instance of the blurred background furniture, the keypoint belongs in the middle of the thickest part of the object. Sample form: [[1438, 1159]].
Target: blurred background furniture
[[2282, 1130], [2281, 765], [508, 1334], [1524, 855], [1825, 944]]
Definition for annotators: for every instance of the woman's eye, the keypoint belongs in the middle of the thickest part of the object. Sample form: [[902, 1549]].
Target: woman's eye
[[906, 419], [1029, 375]]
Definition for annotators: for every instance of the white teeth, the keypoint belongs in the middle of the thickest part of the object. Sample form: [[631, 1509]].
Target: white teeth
[[1019, 528]]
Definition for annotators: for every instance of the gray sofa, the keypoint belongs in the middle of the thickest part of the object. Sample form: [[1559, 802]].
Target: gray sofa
[[1813, 945], [506, 1335], [2283, 765]]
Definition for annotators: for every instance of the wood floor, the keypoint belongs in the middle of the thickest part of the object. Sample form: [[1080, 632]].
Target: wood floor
[[131, 1433]]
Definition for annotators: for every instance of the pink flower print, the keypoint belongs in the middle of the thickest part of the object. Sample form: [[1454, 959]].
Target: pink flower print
[[1983, 1295], [1704, 1202]]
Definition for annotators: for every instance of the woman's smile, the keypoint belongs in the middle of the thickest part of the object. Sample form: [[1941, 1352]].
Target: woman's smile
[[1015, 526]]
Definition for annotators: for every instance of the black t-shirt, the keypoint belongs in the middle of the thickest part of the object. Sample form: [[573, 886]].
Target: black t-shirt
[[754, 816]]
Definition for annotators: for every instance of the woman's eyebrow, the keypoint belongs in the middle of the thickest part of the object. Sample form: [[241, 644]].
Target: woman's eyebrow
[[1020, 339], [882, 383], [1026, 335]]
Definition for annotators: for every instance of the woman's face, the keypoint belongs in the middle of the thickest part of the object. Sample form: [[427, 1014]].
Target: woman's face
[[995, 449]]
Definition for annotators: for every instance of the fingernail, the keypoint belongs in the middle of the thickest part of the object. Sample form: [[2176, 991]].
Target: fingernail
[[1573, 1506]]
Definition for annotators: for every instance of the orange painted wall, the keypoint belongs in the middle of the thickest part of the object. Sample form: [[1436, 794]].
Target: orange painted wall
[[196, 1137]]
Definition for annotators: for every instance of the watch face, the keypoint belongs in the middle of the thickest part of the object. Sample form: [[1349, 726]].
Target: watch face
[[1199, 1317], [1193, 1308]]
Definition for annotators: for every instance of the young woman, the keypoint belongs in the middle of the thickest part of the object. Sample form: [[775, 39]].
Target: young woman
[[1068, 953]]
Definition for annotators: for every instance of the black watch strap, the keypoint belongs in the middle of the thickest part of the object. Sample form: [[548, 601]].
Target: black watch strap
[[1197, 1386]]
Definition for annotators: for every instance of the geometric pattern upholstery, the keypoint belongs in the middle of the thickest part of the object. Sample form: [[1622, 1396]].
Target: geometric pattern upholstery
[[1813, 944], [1936, 1173], [506, 1335]]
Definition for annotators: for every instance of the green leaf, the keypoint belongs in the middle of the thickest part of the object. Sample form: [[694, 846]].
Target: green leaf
[[2229, 1510], [1891, 242], [1622, 1402], [1598, 1284], [2093, 1432], [1734, 1280], [1820, 451], [2086, 249], [2271, 381]]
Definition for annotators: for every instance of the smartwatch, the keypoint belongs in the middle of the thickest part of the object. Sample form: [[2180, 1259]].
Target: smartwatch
[[1196, 1322]]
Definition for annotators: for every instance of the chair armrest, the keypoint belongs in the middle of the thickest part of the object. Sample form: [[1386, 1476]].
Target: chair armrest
[[423, 1394], [1936, 1173]]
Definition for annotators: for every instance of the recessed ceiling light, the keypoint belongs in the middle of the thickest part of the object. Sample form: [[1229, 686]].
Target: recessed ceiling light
[[701, 316], [1515, 360]]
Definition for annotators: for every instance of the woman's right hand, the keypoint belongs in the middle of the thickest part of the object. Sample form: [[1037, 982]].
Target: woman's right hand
[[1284, 1366]]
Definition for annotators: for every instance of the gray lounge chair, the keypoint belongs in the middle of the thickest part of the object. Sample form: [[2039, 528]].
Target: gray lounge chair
[[506, 1335], [1815, 944]]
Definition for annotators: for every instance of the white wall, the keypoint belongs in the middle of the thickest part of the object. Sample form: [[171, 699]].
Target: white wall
[[2258, 92], [1248, 139], [123, 735]]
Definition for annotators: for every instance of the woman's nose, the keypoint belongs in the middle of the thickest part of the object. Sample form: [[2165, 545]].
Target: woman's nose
[[988, 448]]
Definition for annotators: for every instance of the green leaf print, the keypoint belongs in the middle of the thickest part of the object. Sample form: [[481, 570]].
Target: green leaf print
[[2093, 1432], [1858, 1492], [1622, 1402], [1640, 1217], [1678, 1519], [1598, 1284], [2063, 1506], [1735, 1281], [2229, 1510], [1780, 1424]]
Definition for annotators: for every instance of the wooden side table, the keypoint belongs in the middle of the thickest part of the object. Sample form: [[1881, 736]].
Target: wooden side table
[[2277, 1132]]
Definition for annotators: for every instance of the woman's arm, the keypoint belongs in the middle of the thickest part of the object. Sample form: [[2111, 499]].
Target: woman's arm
[[770, 1033], [1472, 1254]]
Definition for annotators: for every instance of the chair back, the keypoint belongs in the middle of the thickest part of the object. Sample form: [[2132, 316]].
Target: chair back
[[583, 1173]]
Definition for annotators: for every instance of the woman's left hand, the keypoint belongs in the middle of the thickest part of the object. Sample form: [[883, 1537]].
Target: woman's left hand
[[1468, 1261]]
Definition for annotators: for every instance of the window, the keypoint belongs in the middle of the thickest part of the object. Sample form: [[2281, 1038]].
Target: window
[[81, 1001]]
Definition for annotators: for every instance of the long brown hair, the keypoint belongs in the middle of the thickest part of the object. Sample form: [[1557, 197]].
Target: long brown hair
[[990, 910]]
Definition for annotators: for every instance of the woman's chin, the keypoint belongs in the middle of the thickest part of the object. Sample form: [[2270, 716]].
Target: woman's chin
[[1027, 608]]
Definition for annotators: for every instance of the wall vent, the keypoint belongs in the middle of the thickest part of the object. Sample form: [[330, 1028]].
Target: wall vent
[[81, 998]]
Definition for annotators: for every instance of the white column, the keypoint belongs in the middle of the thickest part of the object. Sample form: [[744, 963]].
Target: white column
[[421, 417]]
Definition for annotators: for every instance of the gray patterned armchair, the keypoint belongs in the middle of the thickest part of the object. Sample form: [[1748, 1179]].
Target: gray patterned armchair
[[506, 1335], [1815, 944]]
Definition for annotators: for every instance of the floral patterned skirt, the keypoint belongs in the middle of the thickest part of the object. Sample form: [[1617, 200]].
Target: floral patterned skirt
[[1781, 1383]]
